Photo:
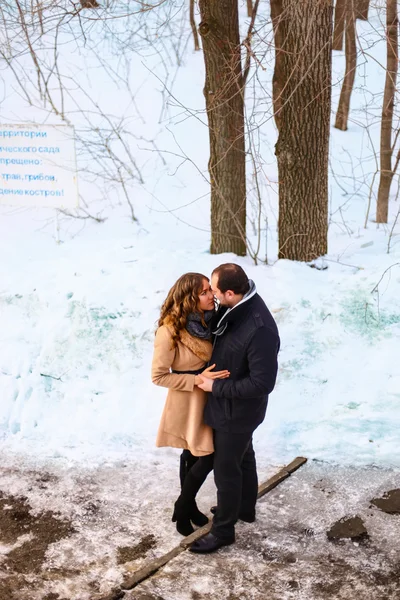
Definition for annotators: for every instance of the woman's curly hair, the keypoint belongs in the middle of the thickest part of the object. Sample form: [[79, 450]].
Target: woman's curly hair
[[182, 299]]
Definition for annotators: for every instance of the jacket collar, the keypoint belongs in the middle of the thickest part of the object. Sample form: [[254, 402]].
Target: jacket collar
[[229, 315]]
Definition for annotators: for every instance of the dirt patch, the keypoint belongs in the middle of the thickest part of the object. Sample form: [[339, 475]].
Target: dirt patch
[[44, 480], [389, 503], [129, 553], [352, 528], [16, 520], [9, 588], [146, 596], [114, 595]]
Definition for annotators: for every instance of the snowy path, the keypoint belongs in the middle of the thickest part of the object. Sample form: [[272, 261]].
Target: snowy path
[[117, 518]]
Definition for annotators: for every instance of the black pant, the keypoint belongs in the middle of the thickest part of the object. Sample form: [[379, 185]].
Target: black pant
[[236, 480]]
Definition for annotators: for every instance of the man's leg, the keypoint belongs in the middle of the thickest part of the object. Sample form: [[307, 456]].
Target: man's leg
[[230, 451], [249, 485]]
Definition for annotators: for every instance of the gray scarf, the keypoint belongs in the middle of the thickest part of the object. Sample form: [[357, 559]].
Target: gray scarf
[[196, 328]]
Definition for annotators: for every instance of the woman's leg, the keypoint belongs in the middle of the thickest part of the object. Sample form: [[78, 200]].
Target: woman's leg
[[187, 460], [202, 467], [185, 507]]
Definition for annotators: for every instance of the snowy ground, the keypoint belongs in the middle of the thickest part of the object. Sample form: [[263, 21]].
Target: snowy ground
[[115, 519], [286, 555]]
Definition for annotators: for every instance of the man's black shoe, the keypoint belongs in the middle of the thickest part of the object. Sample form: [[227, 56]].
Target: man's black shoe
[[209, 543], [246, 517]]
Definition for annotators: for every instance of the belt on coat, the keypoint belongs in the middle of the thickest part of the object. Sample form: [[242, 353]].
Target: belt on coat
[[188, 372]]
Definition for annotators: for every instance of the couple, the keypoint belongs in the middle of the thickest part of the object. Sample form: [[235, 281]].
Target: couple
[[212, 411]]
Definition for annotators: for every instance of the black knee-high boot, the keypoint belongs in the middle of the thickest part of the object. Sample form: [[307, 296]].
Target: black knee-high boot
[[187, 461], [181, 516], [186, 511]]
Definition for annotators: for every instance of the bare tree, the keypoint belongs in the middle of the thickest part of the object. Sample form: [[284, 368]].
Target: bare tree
[[34, 37], [362, 9], [338, 30], [303, 142], [89, 4], [386, 172], [193, 26], [278, 77], [249, 8], [223, 91], [343, 110]]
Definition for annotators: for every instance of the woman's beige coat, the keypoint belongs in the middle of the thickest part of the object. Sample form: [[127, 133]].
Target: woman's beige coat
[[182, 424]]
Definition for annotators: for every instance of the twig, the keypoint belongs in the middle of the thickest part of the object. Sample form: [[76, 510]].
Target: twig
[[344, 264], [51, 376], [383, 275], [86, 216], [247, 43], [395, 221], [193, 26]]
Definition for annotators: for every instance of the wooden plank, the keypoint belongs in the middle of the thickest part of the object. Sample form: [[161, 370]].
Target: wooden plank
[[296, 464], [196, 535], [150, 568], [283, 474], [272, 482], [154, 565]]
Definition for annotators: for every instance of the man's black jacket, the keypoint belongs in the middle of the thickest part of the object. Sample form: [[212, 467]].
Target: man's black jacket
[[248, 348]]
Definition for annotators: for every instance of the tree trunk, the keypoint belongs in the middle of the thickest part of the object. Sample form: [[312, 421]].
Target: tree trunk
[[342, 115], [89, 4], [223, 91], [386, 173], [193, 26], [340, 19], [278, 77], [362, 8], [249, 8], [303, 142]]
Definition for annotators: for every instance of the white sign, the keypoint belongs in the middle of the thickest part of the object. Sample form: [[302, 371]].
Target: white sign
[[38, 166]]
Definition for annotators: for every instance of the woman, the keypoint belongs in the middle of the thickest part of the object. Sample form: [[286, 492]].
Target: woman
[[182, 348]]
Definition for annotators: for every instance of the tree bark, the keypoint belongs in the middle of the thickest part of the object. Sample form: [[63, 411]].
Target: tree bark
[[89, 4], [223, 91], [249, 8], [193, 26], [342, 115], [340, 19], [362, 8], [386, 172], [303, 142], [278, 77]]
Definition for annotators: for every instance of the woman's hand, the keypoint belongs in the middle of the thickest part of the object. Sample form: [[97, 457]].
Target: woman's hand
[[208, 373]]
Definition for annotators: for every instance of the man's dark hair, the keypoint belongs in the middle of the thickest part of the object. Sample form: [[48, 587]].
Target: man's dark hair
[[232, 277]]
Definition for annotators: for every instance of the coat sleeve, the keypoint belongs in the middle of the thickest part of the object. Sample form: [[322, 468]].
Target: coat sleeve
[[163, 357], [262, 357]]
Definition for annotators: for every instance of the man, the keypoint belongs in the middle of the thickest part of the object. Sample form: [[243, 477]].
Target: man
[[246, 343]]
